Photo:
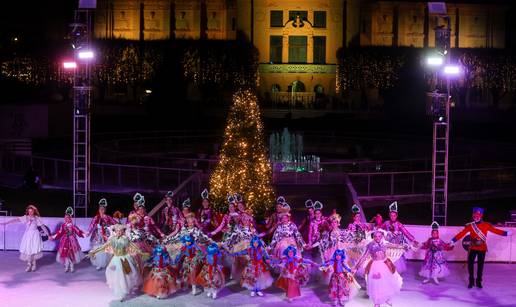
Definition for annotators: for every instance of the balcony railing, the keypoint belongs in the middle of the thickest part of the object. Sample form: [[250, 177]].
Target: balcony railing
[[293, 99], [297, 68]]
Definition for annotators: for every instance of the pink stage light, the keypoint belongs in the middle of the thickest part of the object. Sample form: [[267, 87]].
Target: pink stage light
[[69, 65]]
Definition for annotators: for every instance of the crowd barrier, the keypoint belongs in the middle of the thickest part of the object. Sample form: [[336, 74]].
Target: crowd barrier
[[500, 248]]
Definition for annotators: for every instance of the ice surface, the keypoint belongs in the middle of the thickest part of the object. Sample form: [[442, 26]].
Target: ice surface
[[50, 286]]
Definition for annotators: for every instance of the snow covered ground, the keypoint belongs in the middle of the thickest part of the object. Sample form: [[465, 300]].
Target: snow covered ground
[[50, 286]]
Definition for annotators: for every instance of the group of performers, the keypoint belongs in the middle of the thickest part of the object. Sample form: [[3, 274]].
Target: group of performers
[[200, 251]]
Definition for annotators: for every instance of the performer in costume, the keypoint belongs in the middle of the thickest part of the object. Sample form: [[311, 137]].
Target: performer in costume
[[310, 216], [211, 277], [358, 238], [31, 245], [138, 199], [343, 285], [434, 265], [99, 234], [274, 219], [170, 219], [123, 273], [256, 276], [376, 222], [398, 234], [161, 281], [317, 225], [174, 243], [383, 281], [332, 239], [295, 273], [286, 234], [68, 250], [146, 222], [229, 221], [190, 260], [238, 241], [205, 213], [477, 230]]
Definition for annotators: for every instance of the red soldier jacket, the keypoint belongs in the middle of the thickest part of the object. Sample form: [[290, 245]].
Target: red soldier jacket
[[478, 233]]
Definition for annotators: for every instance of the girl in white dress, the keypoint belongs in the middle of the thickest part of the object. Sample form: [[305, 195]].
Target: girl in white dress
[[31, 246]]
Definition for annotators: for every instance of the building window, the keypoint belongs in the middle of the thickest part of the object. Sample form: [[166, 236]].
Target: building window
[[276, 18], [297, 49], [276, 49], [296, 86], [303, 15], [319, 19], [275, 88], [319, 49]]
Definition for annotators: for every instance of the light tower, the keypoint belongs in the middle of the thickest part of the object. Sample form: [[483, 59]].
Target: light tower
[[80, 36], [439, 109]]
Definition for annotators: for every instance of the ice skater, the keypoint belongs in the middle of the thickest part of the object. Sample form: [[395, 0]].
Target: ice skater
[[434, 265], [31, 245]]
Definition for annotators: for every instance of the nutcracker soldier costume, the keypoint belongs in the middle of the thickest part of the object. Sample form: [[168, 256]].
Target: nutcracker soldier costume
[[477, 231]]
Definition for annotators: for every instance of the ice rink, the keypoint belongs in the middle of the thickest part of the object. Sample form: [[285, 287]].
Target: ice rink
[[49, 286]]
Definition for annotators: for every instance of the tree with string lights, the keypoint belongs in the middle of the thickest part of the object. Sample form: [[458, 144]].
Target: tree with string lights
[[243, 165]]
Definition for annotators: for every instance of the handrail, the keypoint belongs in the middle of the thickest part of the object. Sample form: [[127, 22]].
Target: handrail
[[175, 191]]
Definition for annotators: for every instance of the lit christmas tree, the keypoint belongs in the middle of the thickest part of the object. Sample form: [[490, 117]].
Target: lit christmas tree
[[243, 167]]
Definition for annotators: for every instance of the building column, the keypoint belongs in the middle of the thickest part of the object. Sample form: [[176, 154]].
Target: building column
[[310, 49], [284, 49]]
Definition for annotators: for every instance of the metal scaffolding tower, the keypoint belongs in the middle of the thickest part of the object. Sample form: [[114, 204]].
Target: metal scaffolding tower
[[82, 90], [440, 110]]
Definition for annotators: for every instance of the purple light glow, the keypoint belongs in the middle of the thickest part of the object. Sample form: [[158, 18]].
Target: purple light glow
[[69, 65], [451, 70]]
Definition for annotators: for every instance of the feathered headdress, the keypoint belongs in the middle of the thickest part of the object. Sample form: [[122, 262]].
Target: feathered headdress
[[103, 202], [69, 211], [355, 209], [435, 226], [393, 207], [280, 200], [186, 203], [309, 204], [318, 205], [169, 194], [205, 194]]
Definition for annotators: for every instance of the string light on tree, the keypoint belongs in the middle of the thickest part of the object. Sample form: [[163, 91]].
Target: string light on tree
[[243, 165]]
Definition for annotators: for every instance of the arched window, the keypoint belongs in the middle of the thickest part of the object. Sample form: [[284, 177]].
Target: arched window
[[319, 89], [297, 86], [275, 88]]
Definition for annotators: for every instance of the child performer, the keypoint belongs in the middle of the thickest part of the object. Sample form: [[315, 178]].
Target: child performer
[[190, 260], [317, 225], [211, 276], [343, 285], [286, 234], [434, 265], [205, 213], [383, 282], [398, 234], [99, 231], [478, 230], [161, 281], [123, 274], [294, 273], [256, 276], [170, 219], [68, 251], [310, 216], [31, 245]]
